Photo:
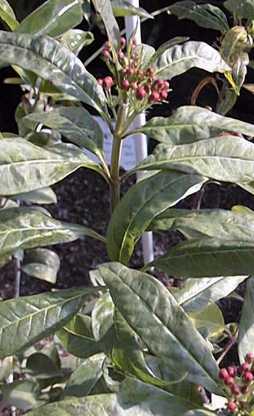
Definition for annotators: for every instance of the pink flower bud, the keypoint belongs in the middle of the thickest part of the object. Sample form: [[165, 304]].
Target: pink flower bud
[[140, 93], [106, 54], [108, 83], [125, 85]]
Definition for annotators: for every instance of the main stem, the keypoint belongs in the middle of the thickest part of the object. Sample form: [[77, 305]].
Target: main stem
[[116, 155]]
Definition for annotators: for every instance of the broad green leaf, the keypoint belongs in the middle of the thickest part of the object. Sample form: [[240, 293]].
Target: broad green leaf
[[204, 15], [141, 204], [42, 263], [227, 100], [28, 319], [246, 328], [241, 8], [102, 316], [7, 15], [122, 8], [209, 321], [225, 159], [53, 18], [76, 39], [208, 257], [190, 123], [154, 314], [198, 293], [180, 58], [77, 338], [104, 8], [22, 394], [166, 45], [135, 398], [27, 167], [145, 54], [41, 365], [22, 228], [85, 377], [51, 61], [74, 123], [39, 196]]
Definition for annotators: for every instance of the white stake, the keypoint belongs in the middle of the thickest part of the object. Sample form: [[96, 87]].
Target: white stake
[[132, 24]]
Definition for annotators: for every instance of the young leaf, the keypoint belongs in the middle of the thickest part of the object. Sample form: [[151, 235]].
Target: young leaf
[[76, 39], [180, 58], [74, 123], [208, 257], [7, 15], [190, 123], [204, 15], [246, 328], [27, 167], [141, 204], [22, 228], [42, 263], [154, 314], [53, 18], [226, 159], [122, 8], [28, 319], [49, 60], [104, 8]]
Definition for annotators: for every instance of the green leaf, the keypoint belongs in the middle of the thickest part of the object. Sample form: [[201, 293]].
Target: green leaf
[[190, 123], [102, 316], [104, 8], [28, 319], [135, 398], [49, 60], [22, 228], [27, 167], [241, 8], [180, 58], [226, 159], [122, 8], [41, 365], [39, 196], [154, 314], [53, 18], [208, 257], [7, 15], [141, 204], [42, 263], [85, 377], [74, 123], [246, 328], [77, 338], [204, 15], [76, 39], [166, 45], [209, 321], [21, 394], [198, 293]]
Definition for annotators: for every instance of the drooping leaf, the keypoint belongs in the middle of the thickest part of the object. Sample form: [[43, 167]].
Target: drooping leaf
[[241, 8], [53, 18], [7, 15], [198, 293], [85, 377], [74, 123], [38, 196], [28, 319], [22, 228], [104, 8], [141, 204], [204, 15], [151, 310], [208, 257], [76, 39], [51, 61], [27, 167], [180, 58], [42, 263], [135, 398], [225, 159], [190, 123], [122, 8], [246, 328]]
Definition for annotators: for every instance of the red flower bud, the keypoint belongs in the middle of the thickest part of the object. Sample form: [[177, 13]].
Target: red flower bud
[[248, 376], [235, 389], [232, 371], [155, 97], [244, 367], [223, 374], [232, 407], [140, 93], [229, 381], [121, 55], [166, 84], [108, 83], [106, 54], [164, 94], [249, 358], [125, 85]]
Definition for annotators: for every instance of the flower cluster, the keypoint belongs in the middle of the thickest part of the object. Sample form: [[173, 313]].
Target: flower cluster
[[239, 382], [133, 78]]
